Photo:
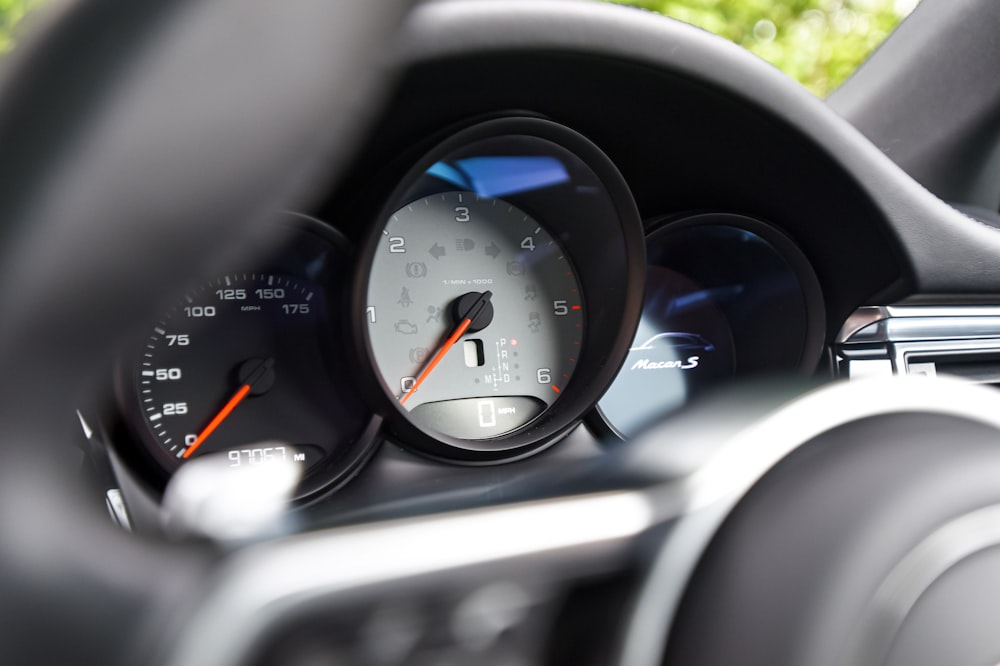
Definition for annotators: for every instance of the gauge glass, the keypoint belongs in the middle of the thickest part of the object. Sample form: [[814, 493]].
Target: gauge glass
[[683, 345], [726, 296], [245, 365], [456, 258]]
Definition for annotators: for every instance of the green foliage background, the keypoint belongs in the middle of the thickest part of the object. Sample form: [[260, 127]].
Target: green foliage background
[[818, 42], [11, 13]]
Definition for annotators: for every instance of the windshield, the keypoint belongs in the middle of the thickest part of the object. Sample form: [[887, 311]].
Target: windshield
[[817, 42]]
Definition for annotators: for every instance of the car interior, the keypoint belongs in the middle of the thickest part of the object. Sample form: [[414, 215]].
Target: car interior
[[495, 332]]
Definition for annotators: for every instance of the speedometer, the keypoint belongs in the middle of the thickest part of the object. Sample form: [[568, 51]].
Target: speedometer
[[474, 315], [251, 365], [221, 368]]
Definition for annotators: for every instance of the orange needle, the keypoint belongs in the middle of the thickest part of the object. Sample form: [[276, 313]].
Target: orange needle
[[474, 310], [217, 421], [448, 344], [258, 373]]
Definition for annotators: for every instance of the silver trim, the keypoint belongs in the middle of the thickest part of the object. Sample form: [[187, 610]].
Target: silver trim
[[88, 432], [875, 334], [912, 329], [745, 456], [905, 311], [116, 508], [886, 324], [913, 575], [860, 319]]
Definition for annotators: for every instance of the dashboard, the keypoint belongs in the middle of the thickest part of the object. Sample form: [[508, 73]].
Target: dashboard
[[506, 279], [500, 284], [505, 292]]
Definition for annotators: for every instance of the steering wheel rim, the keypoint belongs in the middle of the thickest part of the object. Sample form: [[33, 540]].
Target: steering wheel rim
[[739, 518], [152, 135], [665, 517]]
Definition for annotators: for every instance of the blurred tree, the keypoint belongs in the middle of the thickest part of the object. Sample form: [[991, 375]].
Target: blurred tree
[[818, 42], [11, 13]]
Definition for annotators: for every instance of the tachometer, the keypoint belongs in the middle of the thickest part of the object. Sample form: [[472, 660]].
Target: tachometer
[[474, 315], [498, 291]]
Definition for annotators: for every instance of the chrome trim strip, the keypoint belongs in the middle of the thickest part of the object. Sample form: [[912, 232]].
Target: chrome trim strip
[[875, 324], [713, 491], [88, 432], [116, 507], [912, 329], [861, 318], [912, 577], [259, 585], [905, 311]]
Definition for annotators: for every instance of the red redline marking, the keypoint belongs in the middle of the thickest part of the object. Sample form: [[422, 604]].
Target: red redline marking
[[556, 389], [576, 307]]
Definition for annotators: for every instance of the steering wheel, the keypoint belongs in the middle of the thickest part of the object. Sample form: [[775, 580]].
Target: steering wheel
[[846, 524]]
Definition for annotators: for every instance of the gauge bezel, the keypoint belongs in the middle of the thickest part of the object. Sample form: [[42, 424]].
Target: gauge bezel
[[608, 257], [152, 463], [659, 230]]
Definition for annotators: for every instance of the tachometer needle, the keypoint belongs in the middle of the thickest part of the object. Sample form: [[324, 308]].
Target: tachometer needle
[[230, 405], [469, 316]]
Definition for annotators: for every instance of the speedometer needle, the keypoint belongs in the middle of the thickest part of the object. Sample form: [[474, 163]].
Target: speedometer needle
[[470, 315], [231, 404]]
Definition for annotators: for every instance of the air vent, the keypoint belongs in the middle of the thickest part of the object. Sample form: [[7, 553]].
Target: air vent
[[958, 341], [979, 368]]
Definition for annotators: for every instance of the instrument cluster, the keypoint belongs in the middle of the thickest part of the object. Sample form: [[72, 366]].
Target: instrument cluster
[[506, 292]]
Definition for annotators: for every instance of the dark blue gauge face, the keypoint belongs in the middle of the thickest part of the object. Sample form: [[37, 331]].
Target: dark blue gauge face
[[683, 343], [720, 301]]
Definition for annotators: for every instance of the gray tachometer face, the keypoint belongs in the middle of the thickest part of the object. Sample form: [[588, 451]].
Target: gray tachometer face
[[435, 260]]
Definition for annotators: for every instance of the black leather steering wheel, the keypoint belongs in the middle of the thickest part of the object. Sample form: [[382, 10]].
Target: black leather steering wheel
[[829, 527], [130, 131]]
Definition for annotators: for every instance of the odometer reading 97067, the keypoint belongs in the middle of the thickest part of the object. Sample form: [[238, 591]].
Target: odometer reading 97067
[[474, 315]]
